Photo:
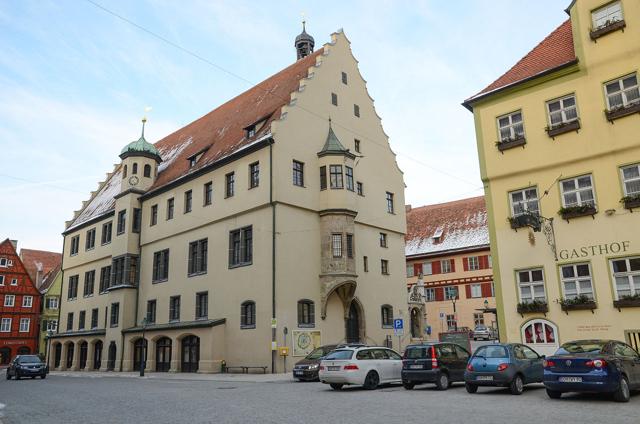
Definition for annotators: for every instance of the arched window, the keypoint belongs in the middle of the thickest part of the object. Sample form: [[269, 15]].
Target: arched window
[[124, 173], [134, 169], [248, 314], [306, 313], [386, 313], [539, 331], [147, 171]]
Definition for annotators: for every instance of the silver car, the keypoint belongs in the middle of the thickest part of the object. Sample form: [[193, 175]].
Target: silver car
[[481, 332]]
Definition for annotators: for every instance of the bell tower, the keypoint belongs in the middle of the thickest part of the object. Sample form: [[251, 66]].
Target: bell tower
[[304, 43], [140, 161]]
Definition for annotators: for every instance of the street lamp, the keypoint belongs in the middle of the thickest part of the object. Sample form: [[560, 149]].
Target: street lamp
[[144, 348]]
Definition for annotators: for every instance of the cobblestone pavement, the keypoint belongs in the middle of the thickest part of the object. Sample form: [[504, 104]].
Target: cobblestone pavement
[[124, 398]]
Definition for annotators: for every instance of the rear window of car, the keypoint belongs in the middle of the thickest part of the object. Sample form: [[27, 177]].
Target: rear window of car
[[587, 346], [340, 354], [492, 352], [416, 352], [316, 354], [29, 359], [480, 327]]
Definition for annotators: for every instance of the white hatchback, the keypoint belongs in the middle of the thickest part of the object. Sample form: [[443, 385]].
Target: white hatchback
[[363, 365]]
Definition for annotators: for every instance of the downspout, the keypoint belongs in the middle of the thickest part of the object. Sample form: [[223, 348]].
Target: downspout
[[273, 257]]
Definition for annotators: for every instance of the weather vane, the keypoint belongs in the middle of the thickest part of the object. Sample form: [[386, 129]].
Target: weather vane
[[144, 117]]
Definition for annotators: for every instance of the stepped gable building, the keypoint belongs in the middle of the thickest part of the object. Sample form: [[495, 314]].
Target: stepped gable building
[[19, 306], [449, 273], [39, 263], [557, 138], [256, 227]]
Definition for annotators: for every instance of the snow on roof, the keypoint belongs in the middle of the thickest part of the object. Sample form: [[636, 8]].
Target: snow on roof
[[463, 224], [102, 202]]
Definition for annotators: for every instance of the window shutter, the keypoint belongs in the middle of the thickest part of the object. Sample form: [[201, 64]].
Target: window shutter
[[435, 267], [486, 289], [417, 269], [468, 290], [44, 325], [439, 293], [465, 263], [453, 265], [484, 262]]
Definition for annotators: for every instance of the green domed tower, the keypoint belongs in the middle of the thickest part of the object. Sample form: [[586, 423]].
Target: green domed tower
[[140, 161]]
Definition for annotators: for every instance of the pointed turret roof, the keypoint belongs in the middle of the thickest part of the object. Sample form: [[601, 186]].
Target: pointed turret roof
[[333, 146]]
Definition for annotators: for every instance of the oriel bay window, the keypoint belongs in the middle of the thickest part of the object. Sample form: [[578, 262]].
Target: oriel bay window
[[241, 247], [306, 314], [335, 176], [626, 274], [576, 281], [248, 315], [160, 266], [531, 285], [124, 270], [198, 257]]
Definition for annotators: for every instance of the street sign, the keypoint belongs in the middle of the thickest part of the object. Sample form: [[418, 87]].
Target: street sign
[[398, 326], [442, 315]]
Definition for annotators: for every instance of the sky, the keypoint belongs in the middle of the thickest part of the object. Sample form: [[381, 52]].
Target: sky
[[75, 80]]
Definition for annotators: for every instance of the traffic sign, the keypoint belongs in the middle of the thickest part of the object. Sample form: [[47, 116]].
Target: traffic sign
[[442, 315], [398, 326]]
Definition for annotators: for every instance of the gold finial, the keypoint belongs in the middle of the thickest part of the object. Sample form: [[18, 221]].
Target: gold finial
[[144, 118]]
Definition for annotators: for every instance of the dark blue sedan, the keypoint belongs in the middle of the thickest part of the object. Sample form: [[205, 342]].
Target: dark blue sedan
[[509, 365], [595, 366]]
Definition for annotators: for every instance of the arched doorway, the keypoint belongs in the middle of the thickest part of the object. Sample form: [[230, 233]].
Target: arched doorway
[[541, 335], [416, 325], [97, 355], [139, 352], [163, 354], [24, 350], [5, 355], [111, 358], [57, 355], [84, 351], [353, 324], [70, 349], [190, 354]]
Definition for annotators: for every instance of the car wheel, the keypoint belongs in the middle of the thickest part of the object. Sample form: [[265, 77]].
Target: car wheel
[[622, 394], [371, 381], [18, 377], [442, 383], [336, 386], [408, 386], [516, 386], [43, 376], [554, 394], [471, 388], [8, 375]]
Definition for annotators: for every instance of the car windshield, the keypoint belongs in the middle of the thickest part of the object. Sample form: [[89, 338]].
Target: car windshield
[[492, 352], [340, 354], [28, 359], [316, 354], [416, 353], [586, 346]]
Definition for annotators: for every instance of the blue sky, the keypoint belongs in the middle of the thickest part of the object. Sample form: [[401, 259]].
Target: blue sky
[[74, 82]]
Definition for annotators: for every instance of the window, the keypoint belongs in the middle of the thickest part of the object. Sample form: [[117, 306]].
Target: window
[[72, 290], [160, 266], [251, 131], [473, 263], [531, 285], [384, 266], [124, 270], [24, 325], [360, 191], [105, 276], [478, 318], [335, 176], [334, 99], [511, 127], [606, 15], [450, 292], [115, 314], [82, 317], [52, 325], [241, 247], [445, 266], [124, 174], [170, 205], [174, 308], [430, 294], [336, 245], [1, 280], [451, 324], [134, 169], [298, 173], [539, 331], [365, 263], [386, 312], [577, 191], [344, 78], [202, 305], [476, 290], [323, 178], [254, 175], [357, 145], [208, 193], [410, 270], [89, 279], [350, 246], [631, 180], [70, 321], [106, 232], [230, 184], [90, 241], [147, 171], [9, 300], [576, 281], [52, 303], [198, 257], [383, 240], [248, 315], [192, 161], [306, 314], [349, 175], [94, 318], [562, 111], [626, 274], [390, 208], [75, 245], [523, 201], [622, 92], [14, 281], [356, 110], [5, 325], [151, 311], [122, 221], [154, 215], [188, 201]]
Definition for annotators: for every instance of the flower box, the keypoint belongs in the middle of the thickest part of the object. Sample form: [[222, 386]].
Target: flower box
[[606, 29], [510, 144], [627, 303], [533, 307], [525, 220], [581, 303], [563, 128], [631, 202], [577, 211], [622, 111]]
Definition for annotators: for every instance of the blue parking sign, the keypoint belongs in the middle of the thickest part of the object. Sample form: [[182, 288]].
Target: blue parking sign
[[398, 324]]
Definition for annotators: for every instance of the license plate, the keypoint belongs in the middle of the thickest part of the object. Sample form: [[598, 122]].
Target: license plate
[[298, 373], [570, 379], [333, 368], [415, 367], [484, 378]]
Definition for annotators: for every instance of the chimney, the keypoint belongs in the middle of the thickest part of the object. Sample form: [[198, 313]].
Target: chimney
[[407, 208], [15, 244]]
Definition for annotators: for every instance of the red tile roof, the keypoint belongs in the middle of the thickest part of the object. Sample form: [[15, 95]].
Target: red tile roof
[[554, 51], [31, 258], [48, 279], [461, 224]]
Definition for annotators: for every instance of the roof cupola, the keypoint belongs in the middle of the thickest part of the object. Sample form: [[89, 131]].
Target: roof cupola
[[304, 43], [141, 147]]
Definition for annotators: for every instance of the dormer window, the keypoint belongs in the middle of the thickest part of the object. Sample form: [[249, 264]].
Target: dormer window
[[195, 158], [251, 131], [437, 234]]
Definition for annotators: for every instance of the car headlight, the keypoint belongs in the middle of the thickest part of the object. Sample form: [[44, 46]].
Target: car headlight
[[314, 366]]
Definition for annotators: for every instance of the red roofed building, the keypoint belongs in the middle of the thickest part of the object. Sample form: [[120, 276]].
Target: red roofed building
[[447, 248], [19, 306], [39, 263]]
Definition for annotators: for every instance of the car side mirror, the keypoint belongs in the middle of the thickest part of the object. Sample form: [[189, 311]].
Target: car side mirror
[[543, 356]]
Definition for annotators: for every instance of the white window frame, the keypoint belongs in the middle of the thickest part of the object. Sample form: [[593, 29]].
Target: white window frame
[[14, 281], [53, 303], [27, 301], [563, 111], [24, 321], [628, 274], [5, 325], [622, 91], [576, 280], [52, 325], [427, 268], [611, 13], [630, 180], [336, 245], [448, 290], [410, 271], [530, 285], [578, 191], [9, 300], [476, 291], [1, 280], [478, 318], [445, 269], [429, 294], [525, 202], [475, 261], [451, 322], [511, 126]]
